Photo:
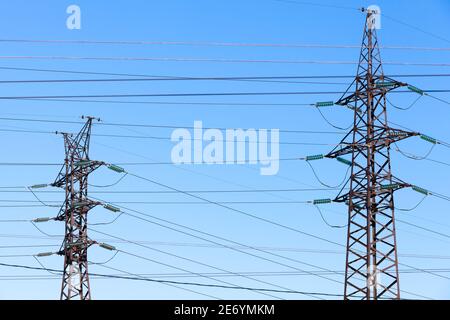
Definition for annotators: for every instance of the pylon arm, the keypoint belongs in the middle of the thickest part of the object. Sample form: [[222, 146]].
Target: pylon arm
[[360, 193], [380, 87], [81, 168], [83, 206], [64, 249], [384, 139]]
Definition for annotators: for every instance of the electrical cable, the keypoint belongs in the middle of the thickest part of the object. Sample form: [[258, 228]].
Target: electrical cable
[[204, 94], [212, 246], [215, 44], [106, 261], [145, 125], [216, 77], [43, 232], [128, 210], [169, 283], [415, 28], [414, 207], [106, 223], [324, 184], [38, 199], [330, 123], [258, 218], [219, 286], [414, 157], [183, 258], [163, 138], [437, 98], [327, 223], [164, 78], [406, 108], [204, 191], [229, 208], [108, 185], [426, 229], [221, 60]]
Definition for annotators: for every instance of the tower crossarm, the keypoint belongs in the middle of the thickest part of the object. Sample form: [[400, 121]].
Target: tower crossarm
[[379, 85], [361, 192], [75, 171], [71, 206], [383, 137]]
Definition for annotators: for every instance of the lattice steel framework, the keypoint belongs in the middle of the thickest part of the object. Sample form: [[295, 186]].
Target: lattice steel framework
[[371, 261], [74, 178]]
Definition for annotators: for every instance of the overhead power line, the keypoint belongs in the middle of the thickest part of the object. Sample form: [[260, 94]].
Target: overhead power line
[[415, 27], [212, 246], [148, 125], [204, 94], [175, 192], [169, 139], [317, 4], [362, 9], [161, 79], [223, 60], [215, 274], [140, 278], [213, 44], [252, 216], [184, 258], [178, 78]]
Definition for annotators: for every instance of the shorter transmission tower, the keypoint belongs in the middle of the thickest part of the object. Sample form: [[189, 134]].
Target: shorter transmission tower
[[73, 177]]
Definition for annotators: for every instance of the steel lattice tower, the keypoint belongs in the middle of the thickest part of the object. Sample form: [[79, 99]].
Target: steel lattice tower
[[371, 261], [74, 178]]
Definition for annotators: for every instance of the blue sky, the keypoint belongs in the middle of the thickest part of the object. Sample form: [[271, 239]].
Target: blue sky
[[248, 21]]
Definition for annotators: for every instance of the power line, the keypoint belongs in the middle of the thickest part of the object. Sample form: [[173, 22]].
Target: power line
[[147, 125], [250, 247], [259, 218], [216, 275], [219, 202], [171, 283], [416, 28], [188, 59], [223, 287], [215, 77], [205, 94], [128, 210], [163, 138], [27, 246], [183, 258], [212, 246], [174, 192], [140, 278], [315, 4], [162, 79], [214, 44], [169, 202], [230, 208], [176, 103], [182, 269], [363, 10], [423, 228]]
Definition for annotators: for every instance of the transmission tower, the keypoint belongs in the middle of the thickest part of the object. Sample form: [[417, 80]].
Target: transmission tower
[[371, 270], [73, 177]]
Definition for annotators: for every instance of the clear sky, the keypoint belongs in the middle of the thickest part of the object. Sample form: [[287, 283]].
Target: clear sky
[[232, 21]]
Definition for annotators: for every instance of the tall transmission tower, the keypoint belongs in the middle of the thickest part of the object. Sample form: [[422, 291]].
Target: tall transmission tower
[[74, 178], [371, 270]]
